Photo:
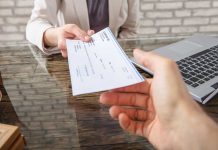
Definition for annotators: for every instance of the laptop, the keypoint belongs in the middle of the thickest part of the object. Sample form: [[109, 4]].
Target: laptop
[[197, 59]]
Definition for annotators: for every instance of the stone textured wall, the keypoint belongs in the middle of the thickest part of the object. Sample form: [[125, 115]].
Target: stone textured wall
[[178, 17], [159, 18], [14, 15]]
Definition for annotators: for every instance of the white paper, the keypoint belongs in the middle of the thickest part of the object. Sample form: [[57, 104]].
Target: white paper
[[99, 65]]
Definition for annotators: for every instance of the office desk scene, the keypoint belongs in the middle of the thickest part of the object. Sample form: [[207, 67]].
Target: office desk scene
[[37, 97]]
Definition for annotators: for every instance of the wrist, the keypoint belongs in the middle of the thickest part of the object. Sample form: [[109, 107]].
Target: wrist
[[50, 37], [194, 129]]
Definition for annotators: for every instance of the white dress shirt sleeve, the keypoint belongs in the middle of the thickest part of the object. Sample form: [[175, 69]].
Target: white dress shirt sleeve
[[42, 19]]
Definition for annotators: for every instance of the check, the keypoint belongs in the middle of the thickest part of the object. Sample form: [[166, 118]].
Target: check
[[99, 65]]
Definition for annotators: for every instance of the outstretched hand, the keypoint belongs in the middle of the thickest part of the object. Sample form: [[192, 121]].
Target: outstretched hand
[[57, 36], [159, 108]]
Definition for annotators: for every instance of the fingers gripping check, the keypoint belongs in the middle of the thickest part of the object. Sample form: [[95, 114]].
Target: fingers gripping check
[[138, 88], [75, 30]]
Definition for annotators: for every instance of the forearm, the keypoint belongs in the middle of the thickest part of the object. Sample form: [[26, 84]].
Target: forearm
[[43, 17], [35, 31]]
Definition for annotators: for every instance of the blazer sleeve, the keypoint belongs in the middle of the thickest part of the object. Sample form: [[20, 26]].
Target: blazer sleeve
[[131, 26], [43, 17]]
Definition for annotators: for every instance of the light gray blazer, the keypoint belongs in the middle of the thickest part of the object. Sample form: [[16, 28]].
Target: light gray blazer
[[123, 17]]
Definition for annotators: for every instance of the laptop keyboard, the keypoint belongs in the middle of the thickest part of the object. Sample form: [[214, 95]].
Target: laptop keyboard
[[199, 68]]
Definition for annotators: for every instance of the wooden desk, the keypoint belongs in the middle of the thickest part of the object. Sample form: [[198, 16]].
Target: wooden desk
[[39, 89]]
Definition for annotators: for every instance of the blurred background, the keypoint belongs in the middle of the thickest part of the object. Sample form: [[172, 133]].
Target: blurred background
[[159, 18]]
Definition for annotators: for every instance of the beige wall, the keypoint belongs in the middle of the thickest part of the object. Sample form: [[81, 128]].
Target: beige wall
[[159, 18], [178, 17]]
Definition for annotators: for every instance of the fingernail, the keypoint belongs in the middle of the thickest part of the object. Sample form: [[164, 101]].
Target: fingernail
[[92, 31], [135, 51], [87, 38]]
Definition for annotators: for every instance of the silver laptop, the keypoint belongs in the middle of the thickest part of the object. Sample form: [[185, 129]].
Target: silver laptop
[[197, 58]]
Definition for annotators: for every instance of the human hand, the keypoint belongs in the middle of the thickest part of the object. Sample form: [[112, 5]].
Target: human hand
[[159, 109], [57, 36]]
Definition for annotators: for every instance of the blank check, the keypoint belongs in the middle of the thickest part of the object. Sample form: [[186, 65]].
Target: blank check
[[99, 65]]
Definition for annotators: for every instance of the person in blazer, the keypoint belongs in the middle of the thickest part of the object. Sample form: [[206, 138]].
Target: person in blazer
[[53, 21]]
